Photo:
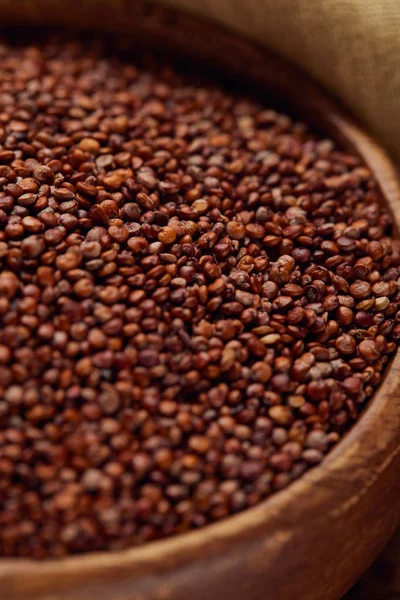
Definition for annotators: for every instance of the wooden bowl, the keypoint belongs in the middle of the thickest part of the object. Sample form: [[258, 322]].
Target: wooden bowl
[[382, 580], [314, 539]]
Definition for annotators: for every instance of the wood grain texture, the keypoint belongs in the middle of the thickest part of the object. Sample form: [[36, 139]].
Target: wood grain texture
[[313, 540], [382, 580]]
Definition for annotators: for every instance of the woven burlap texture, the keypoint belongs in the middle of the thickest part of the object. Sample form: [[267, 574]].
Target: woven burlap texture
[[352, 47]]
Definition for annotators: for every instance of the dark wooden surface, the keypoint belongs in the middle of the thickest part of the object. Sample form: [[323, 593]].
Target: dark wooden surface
[[382, 580]]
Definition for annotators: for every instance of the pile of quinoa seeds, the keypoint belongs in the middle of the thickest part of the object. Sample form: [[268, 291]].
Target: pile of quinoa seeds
[[198, 297]]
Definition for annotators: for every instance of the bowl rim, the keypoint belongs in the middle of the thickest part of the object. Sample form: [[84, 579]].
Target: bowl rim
[[278, 513]]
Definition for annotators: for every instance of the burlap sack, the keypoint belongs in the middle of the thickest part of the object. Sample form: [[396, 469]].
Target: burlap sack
[[351, 46]]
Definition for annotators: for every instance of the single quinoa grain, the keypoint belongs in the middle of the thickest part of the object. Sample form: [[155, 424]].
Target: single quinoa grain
[[198, 296]]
